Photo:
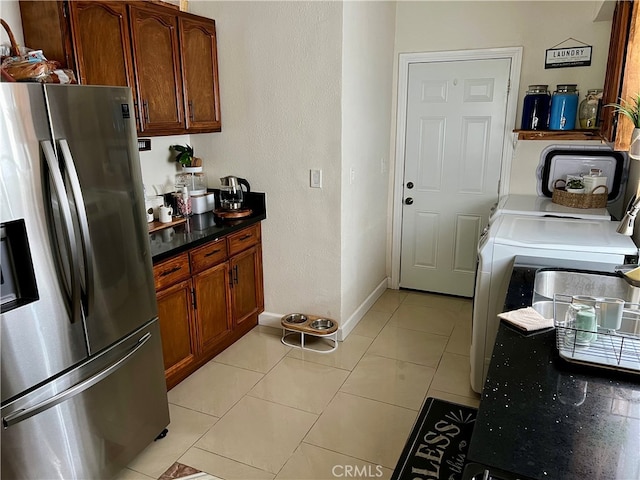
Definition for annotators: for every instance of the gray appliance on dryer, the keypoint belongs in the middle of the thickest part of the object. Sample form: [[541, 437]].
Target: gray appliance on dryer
[[83, 389]]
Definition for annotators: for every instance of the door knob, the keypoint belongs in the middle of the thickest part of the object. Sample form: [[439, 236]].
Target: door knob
[[409, 185], [408, 201]]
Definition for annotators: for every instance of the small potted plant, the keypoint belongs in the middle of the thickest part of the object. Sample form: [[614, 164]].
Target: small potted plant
[[186, 158], [631, 110], [575, 185]]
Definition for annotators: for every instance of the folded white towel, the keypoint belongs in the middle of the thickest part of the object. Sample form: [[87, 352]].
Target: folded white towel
[[527, 319]]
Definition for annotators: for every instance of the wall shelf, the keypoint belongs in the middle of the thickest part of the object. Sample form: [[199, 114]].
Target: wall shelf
[[558, 134]]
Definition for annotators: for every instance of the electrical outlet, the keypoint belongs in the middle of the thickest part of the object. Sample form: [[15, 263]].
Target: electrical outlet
[[315, 178], [352, 176]]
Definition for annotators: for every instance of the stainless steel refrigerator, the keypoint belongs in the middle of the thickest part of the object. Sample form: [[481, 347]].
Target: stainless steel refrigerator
[[83, 388]]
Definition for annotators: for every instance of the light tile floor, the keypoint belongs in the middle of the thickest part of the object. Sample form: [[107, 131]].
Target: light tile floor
[[263, 410]]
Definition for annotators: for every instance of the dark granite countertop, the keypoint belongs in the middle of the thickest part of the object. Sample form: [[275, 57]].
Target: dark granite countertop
[[544, 418], [202, 228]]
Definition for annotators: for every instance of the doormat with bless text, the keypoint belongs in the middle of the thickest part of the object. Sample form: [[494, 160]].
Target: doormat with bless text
[[438, 444]]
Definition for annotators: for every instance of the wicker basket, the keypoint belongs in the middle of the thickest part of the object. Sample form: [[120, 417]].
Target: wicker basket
[[14, 51], [597, 198], [16, 67]]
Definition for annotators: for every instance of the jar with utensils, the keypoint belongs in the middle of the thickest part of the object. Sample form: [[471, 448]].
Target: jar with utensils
[[564, 107], [535, 108], [589, 110]]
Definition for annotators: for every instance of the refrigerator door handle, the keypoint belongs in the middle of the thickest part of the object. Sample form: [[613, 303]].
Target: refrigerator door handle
[[72, 283], [25, 413], [83, 222]]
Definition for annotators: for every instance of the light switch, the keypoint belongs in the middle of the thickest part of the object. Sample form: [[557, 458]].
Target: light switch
[[315, 178]]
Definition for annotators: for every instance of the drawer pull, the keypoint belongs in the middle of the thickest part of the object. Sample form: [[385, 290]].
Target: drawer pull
[[213, 252], [244, 237], [169, 272]]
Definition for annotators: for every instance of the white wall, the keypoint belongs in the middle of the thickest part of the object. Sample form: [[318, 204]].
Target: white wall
[[158, 164], [535, 25], [367, 61], [280, 66], [10, 13]]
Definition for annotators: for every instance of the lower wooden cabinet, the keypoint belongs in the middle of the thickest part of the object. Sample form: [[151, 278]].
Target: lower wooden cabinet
[[247, 296], [178, 337], [213, 305], [207, 299]]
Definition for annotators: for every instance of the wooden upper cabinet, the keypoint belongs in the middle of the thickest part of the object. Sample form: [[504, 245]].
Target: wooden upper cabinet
[[101, 43], [622, 78], [169, 58], [200, 73], [45, 27], [154, 34]]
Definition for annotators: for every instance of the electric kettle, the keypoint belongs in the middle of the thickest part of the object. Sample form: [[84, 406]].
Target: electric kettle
[[231, 197]]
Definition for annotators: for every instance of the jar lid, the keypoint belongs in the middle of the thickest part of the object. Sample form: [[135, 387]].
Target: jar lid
[[594, 91], [567, 87], [538, 88]]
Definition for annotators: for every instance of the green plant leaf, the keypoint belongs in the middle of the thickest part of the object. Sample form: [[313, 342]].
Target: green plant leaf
[[185, 154], [629, 109]]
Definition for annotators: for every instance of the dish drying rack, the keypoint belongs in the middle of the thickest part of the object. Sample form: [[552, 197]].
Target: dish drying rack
[[613, 349]]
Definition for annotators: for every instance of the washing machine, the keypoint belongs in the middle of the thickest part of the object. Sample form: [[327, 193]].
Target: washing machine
[[535, 226], [509, 235]]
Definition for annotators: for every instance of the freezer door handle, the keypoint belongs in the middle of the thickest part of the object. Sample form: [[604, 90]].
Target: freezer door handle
[[25, 413], [83, 222], [73, 282]]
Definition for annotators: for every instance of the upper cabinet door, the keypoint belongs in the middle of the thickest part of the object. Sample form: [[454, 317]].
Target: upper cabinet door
[[157, 69], [101, 43], [200, 74], [622, 78]]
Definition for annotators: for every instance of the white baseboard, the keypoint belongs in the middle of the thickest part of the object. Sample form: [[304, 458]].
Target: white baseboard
[[270, 319], [350, 323]]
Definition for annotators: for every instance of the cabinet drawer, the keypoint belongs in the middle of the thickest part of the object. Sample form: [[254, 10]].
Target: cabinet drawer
[[171, 271], [208, 255], [243, 239]]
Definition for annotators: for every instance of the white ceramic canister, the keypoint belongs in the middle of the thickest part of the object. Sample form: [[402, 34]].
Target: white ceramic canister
[[203, 203], [594, 179]]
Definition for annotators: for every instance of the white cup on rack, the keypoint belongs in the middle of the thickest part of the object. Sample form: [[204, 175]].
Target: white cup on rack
[[611, 313], [165, 215]]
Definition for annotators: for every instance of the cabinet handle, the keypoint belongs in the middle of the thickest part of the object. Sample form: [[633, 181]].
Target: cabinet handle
[[135, 111], [235, 269], [169, 272], [213, 252], [191, 110], [145, 106], [244, 237]]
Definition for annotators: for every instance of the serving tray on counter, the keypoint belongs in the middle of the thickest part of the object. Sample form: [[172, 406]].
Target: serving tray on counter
[[156, 225]]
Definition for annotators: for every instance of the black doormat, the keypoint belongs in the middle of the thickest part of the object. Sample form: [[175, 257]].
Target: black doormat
[[438, 444]]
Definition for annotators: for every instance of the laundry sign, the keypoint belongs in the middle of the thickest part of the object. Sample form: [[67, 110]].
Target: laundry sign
[[568, 57]]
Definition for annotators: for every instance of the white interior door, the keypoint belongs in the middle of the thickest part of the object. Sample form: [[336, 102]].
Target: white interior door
[[455, 127]]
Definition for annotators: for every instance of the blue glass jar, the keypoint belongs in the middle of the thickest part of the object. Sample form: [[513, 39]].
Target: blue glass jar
[[564, 108], [535, 108]]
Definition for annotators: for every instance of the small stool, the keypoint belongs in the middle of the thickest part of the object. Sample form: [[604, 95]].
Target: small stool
[[303, 324]]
